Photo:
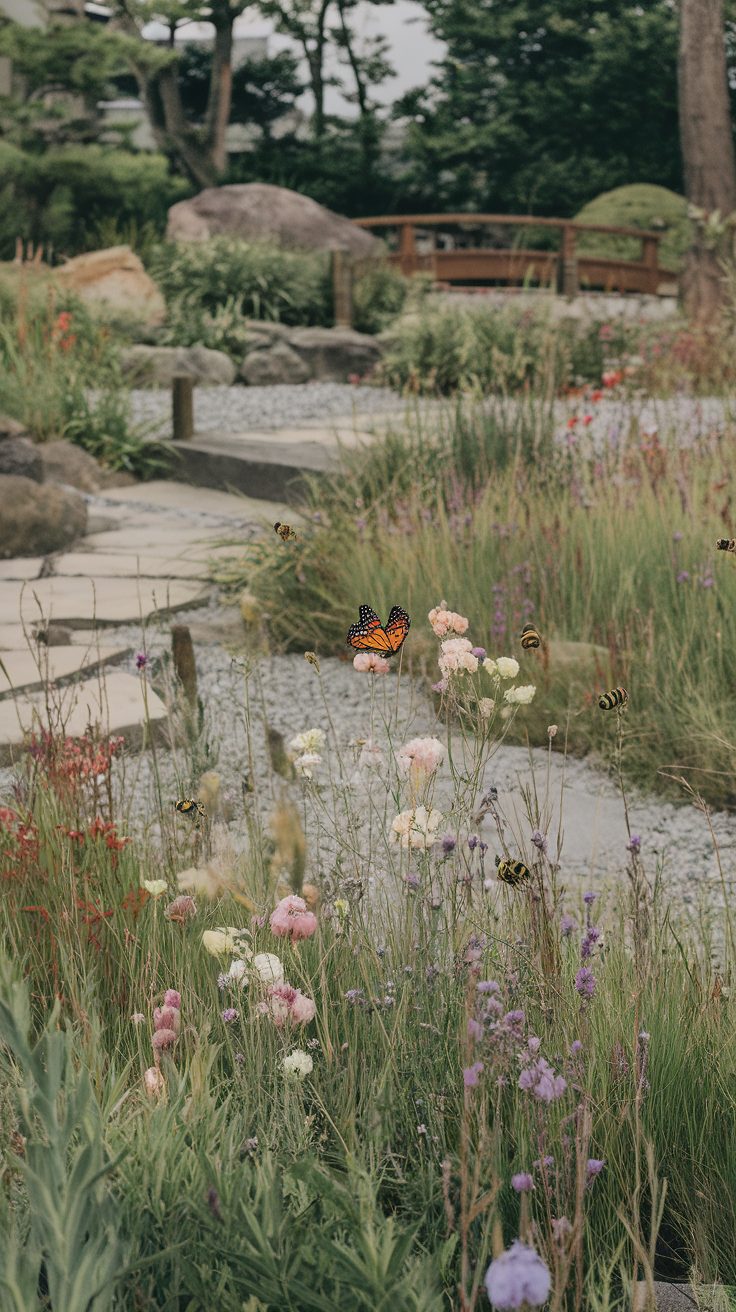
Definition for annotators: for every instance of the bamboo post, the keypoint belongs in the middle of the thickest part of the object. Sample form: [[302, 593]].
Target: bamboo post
[[407, 250], [342, 288], [182, 408], [569, 262], [649, 260]]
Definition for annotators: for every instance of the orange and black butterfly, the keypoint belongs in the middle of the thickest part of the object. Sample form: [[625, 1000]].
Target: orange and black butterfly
[[370, 635]]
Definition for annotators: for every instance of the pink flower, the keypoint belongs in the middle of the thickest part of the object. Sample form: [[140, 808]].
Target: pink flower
[[167, 1018], [172, 999], [153, 1081], [286, 1003], [183, 908], [369, 662], [420, 758], [163, 1039], [445, 621], [457, 655], [291, 919]]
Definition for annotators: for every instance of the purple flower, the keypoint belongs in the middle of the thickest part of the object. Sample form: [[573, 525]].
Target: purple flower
[[440, 687], [488, 986], [634, 845], [471, 1074], [561, 1228], [683, 576], [412, 879], [567, 925], [513, 1017], [545, 1162], [518, 1277], [229, 1014], [593, 1167], [534, 1044], [448, 844], [223, 981], [590, 938], [585, 982], [475, 1029], [539, 840], [354, 995], [589, 898], [541, 1081], [707, 581], [575, 1047], [522, 1182], [479, 652], [677, 536], [473, 842], [141, 660]]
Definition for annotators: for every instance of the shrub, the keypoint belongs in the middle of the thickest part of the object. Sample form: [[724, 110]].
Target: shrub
[[638, 206]]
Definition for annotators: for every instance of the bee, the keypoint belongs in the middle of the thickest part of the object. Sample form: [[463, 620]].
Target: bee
[[726, 544], [512, 872], [189, 806], [529, 637], [285, 531], [617, 697]]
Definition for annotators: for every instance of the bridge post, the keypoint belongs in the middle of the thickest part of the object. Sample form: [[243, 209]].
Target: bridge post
[[568, 262], [407, 250], [342, 288], [650, 262]]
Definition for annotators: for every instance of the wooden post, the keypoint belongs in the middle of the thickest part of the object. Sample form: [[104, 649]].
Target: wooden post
[[342, 288], [182, 651], [649, 260], [182, 408], [568, 262], [407, 250]]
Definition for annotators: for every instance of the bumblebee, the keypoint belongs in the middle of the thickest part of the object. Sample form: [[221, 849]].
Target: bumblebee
[[529, 637], [726, 544], [285, 531], [617, 697], [512, 872], [189, 806]]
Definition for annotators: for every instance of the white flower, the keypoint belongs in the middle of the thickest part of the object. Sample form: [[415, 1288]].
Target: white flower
[[137, 1018], [312, 740], [456, 656], [156, 887], [420, 758], [485, 706], [416, 828], [490, 666], [298, 1064], [520, 696], [221, 942], [306, 763], [239, 971], [507, 667], [268, 966]]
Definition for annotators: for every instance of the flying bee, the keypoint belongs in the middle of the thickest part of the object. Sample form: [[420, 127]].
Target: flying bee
[[285, 531], [189, 806], [512, 872], [529, 637], [726, 544], [617, 697]]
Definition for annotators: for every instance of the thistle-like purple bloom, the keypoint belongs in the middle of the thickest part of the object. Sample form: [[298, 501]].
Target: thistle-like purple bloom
[[523, 1183], [448, 844], [575, 1047], [488, 986], [593, 1167], [683, 576], [479, 653], [475, 1029], [141, 660], [473, 842], [585, 982], [539, 840], [519, 1277], [589, 941], [567, 925], [541, 1081], [589, 898], [471, 1074], [634, 845], [229, 1014]]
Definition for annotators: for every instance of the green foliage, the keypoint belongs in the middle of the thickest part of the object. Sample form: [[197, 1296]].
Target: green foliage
[[638, 206], [379, 294]]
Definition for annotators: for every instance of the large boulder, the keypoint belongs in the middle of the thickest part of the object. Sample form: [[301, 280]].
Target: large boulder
[[114, 279], [63, 462], [155, 366], [37, 517], [274, 364], [333, 354], [256, 211], [20, 456]]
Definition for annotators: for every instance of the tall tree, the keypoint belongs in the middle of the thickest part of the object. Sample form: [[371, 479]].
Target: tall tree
[[709, 163], [306, 22]]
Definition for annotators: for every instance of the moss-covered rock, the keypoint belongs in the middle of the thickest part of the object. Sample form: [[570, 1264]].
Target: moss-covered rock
[[640, 205]]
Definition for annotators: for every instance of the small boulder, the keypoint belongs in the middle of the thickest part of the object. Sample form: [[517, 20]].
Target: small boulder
[[12, 428], [63, 462], [332, 354], [19, 456], [257, 211], [275, 364], [156, 366], [38, 518], [116, 281]]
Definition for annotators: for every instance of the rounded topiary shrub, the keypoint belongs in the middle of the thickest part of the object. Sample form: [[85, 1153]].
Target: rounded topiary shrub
[[640, 205]]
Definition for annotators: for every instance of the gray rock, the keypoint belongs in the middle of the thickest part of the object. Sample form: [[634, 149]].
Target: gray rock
[[63, 462], [19, 456], [256, 211], [12, 428], [668, 1297], [275, 364], [335, 353], [156, 366], [38, 517]]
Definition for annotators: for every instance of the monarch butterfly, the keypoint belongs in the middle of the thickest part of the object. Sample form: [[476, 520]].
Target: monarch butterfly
[[370, 635], [512, 872], [188, 806], [529, 637], [726, 544], [617, 697], [285, 531]]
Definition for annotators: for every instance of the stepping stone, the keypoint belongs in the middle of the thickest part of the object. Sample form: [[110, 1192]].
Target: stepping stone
[[12, 637], [156, 538], [114, 702], [35, 667], [21, 567], [84, 602], [142, 565], [182, 496]]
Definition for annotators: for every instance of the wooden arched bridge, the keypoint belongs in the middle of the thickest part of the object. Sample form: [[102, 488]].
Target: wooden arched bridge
[[445, 246]]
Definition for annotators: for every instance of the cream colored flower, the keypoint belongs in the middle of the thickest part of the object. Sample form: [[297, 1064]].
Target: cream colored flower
[[307, 763], [268, 967], [507, 667], [485, 707], [298, 1064], [312, 740], [153, 1081], [156, 887], [207, 881], [416, 828], [490, 666], [521, 696], [221, 942], [239, 969]]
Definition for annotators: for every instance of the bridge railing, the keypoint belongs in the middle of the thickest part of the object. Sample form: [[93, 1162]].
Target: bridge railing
[[567, 267]]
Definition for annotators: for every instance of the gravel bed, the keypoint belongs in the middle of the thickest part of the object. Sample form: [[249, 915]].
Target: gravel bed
[[243, 409]]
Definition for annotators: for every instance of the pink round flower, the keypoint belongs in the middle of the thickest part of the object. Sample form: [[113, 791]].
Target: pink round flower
[[167, 1018], [183, 908], [420, 757], [287, 1004], [291, 919], [369, 662], [446, 621], [457, 655], [172, 999], [163, 1039]]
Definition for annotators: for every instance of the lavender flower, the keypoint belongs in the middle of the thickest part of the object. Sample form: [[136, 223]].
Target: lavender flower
[[519, 1277], [593, 1167], [589, 898], [634, 845], [575, 1047], [141, 660], [546, 1162], [479, 653], [522, 1183], [473, 842], [539, 840], [541, 1081], [488, 986], [448, 844], [354, 996], [567, 925], [229, 1014], [475, 1029], [683, 576], [561, 1228], [412, 879], [471, 1074], [590, 939], [585, 982]]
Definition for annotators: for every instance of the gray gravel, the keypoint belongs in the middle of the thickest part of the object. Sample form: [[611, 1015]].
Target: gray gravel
[[255, 409]]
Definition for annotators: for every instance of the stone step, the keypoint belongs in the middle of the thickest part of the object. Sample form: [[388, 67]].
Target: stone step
[[264, 469], [113, 702], [86, 602], [39, 666]]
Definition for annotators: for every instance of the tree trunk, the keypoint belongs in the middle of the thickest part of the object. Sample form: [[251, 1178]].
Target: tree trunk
[[707, 149], [220, 93]]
